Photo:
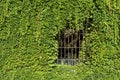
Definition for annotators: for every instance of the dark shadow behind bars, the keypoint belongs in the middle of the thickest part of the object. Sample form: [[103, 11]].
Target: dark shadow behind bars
[[70, 44]]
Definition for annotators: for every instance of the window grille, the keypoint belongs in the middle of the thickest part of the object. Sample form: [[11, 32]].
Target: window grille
[[70, 44]]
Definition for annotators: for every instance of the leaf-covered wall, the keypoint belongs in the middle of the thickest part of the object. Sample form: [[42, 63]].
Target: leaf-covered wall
[[28, 48]]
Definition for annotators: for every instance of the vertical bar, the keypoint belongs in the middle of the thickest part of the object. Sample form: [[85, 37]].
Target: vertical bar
[[83, 45], [72, 48], [61, 44], [68, 54], [76, 47], [64, 47]]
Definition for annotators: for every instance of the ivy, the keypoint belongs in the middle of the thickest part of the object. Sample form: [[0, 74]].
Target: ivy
[[28, 48]]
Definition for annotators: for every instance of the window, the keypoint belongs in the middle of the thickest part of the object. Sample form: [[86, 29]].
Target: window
[[69, 46]]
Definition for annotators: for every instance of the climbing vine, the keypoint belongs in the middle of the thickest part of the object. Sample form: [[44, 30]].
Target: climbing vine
[[28, 48]]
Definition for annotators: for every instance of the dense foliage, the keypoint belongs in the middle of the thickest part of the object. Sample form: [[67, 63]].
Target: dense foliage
[[28, 48]]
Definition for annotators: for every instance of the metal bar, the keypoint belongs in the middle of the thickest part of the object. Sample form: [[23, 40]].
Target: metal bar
[[83, 45], [72, 56], [68, 50], [64, 46], [60, 45], [75, 49]]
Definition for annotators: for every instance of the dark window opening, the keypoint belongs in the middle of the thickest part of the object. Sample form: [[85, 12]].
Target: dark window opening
[[70, 44]]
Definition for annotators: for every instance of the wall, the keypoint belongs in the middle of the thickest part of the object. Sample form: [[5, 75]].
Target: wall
[[28, 48]]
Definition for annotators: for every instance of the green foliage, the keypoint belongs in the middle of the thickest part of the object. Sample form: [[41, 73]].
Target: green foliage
[[28, 48]]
